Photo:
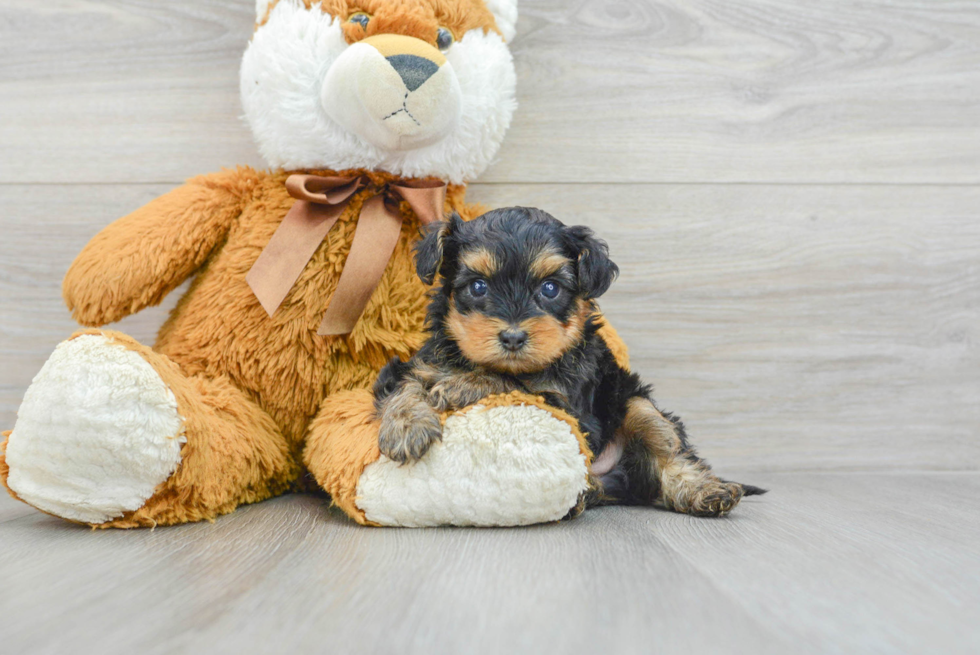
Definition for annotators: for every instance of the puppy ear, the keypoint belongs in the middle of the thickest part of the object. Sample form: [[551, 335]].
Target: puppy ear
[[430, 252], [596, 271]]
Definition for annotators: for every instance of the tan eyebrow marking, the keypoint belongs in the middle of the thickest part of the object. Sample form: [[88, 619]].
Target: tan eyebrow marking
[[481, 261], [548, 263]]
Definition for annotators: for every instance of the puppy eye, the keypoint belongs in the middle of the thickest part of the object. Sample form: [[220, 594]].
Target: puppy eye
[[360, 18], [478, 288], [550, 290], [444, 39]]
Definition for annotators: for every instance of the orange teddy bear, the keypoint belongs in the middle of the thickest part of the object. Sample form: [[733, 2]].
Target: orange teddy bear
[[373, 115]]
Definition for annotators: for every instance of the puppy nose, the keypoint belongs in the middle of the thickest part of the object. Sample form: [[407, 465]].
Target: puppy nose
[[513, 340], [413, 70]]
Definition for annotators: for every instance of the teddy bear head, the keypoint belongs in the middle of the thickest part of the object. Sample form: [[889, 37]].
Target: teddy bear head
[[416, 88]]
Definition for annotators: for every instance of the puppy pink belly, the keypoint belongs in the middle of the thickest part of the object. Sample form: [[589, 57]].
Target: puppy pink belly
[[608, 458]]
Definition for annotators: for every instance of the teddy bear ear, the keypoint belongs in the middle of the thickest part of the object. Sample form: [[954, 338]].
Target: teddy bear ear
[[261, 10], [505, 11]]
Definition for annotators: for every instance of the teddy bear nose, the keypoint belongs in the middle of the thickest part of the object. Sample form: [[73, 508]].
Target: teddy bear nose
[[413, 70], [513, 340]]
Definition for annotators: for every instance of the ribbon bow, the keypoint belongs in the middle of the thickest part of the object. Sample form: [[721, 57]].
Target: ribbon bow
[[319, 203]]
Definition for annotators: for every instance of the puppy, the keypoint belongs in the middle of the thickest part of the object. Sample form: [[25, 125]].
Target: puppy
[[515, 310]]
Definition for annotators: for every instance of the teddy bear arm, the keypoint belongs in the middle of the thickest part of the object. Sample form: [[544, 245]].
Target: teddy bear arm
[[137, 260]]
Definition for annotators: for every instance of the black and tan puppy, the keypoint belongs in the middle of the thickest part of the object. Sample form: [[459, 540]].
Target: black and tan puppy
[[515, 310]]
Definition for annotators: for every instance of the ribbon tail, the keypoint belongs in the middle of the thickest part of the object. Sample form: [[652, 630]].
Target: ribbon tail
[[289, 251], [428, 202], [378, 230]]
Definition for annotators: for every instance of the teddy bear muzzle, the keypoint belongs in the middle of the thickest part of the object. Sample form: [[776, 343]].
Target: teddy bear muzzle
[[396, 92]]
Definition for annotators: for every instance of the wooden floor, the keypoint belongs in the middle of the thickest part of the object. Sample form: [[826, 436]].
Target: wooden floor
[[827, 562], [792, 190]]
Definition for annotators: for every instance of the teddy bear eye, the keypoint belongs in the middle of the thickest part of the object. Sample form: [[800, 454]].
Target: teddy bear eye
[[360, 18], [550, 290], [478, 288], [444, 39]]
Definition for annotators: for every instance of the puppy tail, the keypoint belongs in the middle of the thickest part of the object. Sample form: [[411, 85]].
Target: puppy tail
[[750, 490]]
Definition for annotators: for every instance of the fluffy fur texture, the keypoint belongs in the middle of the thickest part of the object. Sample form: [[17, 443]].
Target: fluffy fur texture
[[505, 11], [232, 451], [497, 464], [288, 65], [514, 312], [247, 386], [110, 400], [252, 391], [257, 397], [492, 453], [394, 91]]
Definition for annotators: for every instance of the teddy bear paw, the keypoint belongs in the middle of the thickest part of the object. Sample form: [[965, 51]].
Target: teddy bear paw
[[97, 432]]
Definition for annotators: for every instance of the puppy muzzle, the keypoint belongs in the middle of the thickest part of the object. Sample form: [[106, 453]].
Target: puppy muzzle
[[396, 92], [513, 340]]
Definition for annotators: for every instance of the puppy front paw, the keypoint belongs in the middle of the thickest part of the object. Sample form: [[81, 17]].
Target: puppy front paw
[[406, 436]]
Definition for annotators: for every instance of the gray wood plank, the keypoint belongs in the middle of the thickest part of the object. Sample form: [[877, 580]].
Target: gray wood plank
[[654, 90], [881, 563], [607, 585], [852, 563], [11, 509], [41, 239], [112, 91], [800, 327], [746, 91], [792, 327], [814, 327]]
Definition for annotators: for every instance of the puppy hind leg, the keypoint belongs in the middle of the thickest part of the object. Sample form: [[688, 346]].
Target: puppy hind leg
[[684, 482]]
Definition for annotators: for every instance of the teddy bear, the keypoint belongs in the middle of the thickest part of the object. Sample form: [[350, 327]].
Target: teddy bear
[[372, 116]]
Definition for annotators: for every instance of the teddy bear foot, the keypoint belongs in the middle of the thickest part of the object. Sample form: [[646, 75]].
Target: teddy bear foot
[[508, 464], [509, 460], [97, 432]]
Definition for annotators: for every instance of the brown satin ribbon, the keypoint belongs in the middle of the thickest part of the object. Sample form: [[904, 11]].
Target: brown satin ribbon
[[319, 203]]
